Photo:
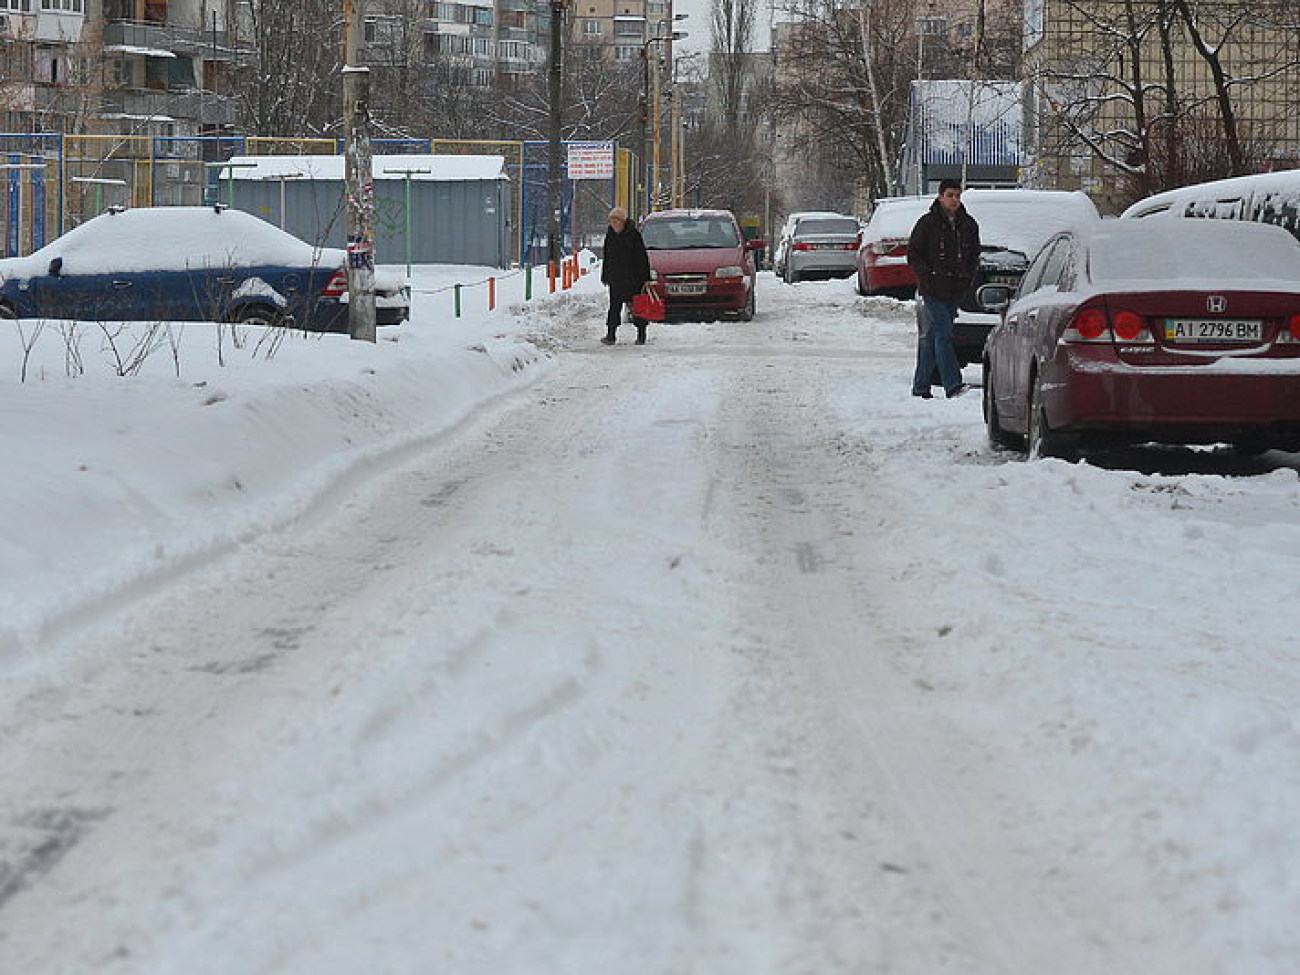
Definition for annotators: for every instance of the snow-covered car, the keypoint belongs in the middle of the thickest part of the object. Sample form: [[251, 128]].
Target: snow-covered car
[[188, 264], [1136, 331], [1014, 224], [882, 256], [821, 246]]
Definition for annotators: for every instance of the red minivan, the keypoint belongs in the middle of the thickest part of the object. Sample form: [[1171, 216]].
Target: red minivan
[[701, 263]]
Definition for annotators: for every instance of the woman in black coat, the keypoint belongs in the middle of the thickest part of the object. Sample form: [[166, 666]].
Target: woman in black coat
[[625, 270]]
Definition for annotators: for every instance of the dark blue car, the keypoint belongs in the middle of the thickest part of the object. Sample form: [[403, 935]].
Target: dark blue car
[[188, 264]]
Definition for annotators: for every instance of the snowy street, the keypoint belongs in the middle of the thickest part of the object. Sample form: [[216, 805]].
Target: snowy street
[[721, 655]]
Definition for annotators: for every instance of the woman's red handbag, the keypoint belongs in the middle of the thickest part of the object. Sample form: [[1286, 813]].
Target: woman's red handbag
[[648, 305]]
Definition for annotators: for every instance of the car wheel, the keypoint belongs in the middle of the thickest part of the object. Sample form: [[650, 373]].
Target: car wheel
[[999, 436], [1042, 440], [7, 311], [747, 314], [258, 315]]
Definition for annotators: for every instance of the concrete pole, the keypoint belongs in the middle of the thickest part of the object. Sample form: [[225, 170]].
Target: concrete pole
[[359, 178], [554, 199]]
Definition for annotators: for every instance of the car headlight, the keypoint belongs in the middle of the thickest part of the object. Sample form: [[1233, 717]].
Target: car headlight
[[654, 275], [729, 272]]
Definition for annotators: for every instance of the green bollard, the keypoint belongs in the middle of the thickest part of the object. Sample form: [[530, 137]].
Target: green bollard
[[528, 282], [458, 301]]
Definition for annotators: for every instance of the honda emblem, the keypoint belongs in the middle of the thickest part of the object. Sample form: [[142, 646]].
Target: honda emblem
[[1216, 304]]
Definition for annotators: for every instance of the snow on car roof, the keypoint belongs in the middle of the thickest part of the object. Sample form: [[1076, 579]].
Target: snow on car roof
[[170, 238], [1022, 220], [1208, 254], [895, 216]]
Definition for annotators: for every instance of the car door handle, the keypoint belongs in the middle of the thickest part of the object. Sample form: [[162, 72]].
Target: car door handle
[[225, 279], [121, 285]]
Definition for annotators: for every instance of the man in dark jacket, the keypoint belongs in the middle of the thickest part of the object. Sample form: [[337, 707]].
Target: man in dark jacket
[[944, 251], [625, 269]]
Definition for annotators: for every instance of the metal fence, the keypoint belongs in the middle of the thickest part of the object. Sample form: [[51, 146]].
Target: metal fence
[[55, 181]]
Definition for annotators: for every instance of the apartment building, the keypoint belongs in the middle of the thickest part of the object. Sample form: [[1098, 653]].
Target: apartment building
[[146, 67], [492, 43]]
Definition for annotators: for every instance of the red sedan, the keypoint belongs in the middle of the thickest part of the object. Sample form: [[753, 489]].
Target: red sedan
[[701, 263], [1133, 332]]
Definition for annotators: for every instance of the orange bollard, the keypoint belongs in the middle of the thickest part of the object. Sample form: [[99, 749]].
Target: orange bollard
[[550, 273], [492, 293]]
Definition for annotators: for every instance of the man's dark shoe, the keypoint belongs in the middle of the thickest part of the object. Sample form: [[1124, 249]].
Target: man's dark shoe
[[607, 340], [958, 390], [924, 394]]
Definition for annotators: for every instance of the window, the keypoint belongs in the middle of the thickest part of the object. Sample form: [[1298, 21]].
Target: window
[[590, 27], [626, 53], [71, 6], [15, 4]]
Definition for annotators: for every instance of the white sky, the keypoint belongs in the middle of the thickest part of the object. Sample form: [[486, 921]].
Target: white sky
[[487, 649]]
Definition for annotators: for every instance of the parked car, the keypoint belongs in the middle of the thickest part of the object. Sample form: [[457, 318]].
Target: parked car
[[1134, 331], [881, 259], [822, 247], [1264, 197], [701, 263], [188, 264], [1013, 223], [782, 248]]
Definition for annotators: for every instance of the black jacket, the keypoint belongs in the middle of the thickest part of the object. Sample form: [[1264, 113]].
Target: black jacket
[[944, 253], [626, 266]]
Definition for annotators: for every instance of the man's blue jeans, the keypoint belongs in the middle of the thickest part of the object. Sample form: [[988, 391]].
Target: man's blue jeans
[[934, 346]]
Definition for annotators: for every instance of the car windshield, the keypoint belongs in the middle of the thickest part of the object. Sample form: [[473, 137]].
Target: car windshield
[[685, 233], [845, 226]]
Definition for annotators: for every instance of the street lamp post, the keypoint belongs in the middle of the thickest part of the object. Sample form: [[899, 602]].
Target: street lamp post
[[650, 104]]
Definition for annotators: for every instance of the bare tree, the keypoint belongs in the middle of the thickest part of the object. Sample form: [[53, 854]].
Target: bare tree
[[1158, 91], [293, 83]]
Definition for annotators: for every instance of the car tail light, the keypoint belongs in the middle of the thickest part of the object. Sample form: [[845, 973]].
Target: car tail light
[[1089, 325], [802, 247], [891, 246], [852, 247], [1127, 325], [1293, 326], [338, 285]]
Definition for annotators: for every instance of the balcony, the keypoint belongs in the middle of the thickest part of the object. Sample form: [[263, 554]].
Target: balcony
[[204, 107], [143, 38]]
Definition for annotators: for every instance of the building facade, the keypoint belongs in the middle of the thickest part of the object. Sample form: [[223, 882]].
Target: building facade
[[1120, 103]]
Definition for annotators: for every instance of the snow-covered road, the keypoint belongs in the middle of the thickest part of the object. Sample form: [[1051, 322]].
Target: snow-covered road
[[719, 656]]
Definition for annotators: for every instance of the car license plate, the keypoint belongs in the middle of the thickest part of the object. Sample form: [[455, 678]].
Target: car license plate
[[686, 289], [1213, 330]]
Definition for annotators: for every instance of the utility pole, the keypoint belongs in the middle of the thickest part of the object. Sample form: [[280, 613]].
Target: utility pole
[[553, 186], [359, 177]]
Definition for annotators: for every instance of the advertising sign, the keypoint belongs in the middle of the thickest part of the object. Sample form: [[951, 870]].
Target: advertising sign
[[591, 160]]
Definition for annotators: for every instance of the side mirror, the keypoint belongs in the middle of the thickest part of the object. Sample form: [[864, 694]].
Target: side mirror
[[993, 297], [56, 267]]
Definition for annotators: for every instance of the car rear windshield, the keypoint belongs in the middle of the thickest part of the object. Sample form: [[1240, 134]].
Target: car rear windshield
[[806, 227], [1193, 251], [685, 233]]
